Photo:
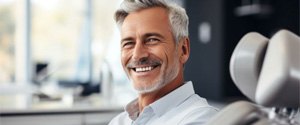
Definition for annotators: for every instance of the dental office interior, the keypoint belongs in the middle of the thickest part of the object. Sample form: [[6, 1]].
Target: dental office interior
[[60, 61]]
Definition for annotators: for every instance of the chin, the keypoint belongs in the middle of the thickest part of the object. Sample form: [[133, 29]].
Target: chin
[[145, 88]]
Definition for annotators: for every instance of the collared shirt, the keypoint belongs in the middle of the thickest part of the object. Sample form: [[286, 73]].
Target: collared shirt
[[180, 107]]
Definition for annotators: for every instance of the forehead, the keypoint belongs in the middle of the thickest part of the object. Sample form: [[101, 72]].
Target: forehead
[[147, 20]]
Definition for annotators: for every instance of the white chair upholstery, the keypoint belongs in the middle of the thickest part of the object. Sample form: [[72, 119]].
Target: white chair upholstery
[[268, 73], [237, 113], [246, 61], [279, 80]]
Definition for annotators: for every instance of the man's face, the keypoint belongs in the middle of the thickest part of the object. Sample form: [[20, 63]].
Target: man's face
[[149, 55]]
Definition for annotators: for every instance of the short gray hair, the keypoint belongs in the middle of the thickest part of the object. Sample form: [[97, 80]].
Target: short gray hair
[[177, 15]]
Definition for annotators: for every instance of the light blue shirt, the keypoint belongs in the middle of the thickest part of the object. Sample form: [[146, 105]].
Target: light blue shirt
[[180, 107]]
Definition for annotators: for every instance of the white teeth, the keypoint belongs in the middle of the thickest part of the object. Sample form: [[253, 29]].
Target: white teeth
[[143, 69]]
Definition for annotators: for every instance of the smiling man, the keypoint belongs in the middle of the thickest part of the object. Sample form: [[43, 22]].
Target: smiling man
[[154, 48]]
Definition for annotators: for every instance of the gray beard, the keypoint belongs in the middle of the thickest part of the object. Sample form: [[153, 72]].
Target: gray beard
[[163, 80]]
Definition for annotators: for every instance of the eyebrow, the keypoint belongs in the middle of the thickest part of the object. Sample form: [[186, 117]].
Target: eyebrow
[[144, 36], [153, 34]]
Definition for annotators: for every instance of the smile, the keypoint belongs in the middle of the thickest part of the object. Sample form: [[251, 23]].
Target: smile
[[144, 69]]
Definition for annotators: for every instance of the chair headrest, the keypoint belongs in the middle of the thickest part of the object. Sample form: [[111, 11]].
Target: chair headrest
[[268, 71], [279, 80], [246, 61]]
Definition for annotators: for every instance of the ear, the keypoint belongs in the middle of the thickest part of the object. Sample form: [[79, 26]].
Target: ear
[[185, 50]]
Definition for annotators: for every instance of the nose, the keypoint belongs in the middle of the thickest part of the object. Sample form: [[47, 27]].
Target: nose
[[140, 51]]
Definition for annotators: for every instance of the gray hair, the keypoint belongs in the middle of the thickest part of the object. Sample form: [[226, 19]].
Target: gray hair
[[177, 15]]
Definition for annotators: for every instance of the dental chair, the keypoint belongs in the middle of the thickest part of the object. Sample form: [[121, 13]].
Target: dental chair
[[267, 71]]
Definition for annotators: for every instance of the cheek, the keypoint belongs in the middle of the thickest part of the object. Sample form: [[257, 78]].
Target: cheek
[[159, 52], [171, 55], [173, 60]]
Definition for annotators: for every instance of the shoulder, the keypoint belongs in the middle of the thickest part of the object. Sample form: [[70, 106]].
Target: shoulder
[[198, 111], [199, 115], [120, 119]]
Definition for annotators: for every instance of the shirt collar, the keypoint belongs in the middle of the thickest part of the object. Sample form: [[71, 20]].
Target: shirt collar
[[132, 109], [173, 99], [165, 103]]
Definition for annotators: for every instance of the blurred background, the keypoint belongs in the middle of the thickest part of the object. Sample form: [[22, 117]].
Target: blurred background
[[60, 59]]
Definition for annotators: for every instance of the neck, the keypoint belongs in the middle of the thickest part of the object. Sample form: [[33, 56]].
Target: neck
[[147, 98]]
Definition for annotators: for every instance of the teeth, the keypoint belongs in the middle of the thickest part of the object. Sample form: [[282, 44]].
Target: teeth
[[143, 69]]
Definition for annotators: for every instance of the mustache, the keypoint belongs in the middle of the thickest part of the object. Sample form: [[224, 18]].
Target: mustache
[[144, 61]]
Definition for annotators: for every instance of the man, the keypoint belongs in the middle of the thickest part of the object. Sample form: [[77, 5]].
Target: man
[[154, 48]]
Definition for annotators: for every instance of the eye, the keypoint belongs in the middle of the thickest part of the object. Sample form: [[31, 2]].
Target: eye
[[151, 41], [128, 44]]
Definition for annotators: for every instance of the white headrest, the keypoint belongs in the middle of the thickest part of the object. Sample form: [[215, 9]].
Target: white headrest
[[268, 72], [279, 80], [246, 61]]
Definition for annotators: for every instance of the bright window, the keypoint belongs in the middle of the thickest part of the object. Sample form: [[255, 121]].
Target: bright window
[[7, 36], [73, 39]]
